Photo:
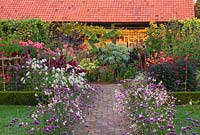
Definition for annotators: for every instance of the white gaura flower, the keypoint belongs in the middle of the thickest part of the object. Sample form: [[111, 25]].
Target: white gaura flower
[[36, 95], [28, 73], [22, 79], [58, 69], [45, 68], [190, 103]]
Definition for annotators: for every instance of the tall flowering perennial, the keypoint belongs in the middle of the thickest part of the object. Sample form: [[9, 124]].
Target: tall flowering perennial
[[151, 109], [159, 58], [65, 97]]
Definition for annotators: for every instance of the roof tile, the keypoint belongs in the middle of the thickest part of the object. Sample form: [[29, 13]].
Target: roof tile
[[98, 10]]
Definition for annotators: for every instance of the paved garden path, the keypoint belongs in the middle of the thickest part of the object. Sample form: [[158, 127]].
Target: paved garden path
[[104, 119]]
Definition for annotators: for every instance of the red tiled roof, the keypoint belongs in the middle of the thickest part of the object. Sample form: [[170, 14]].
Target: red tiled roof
[[97, 10]]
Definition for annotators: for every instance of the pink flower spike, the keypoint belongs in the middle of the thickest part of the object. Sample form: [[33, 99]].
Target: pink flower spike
[[73, 55], [2, 52], [1, 74], [71, 49], [30, 42], [51, 52], [38, 45], [65, 45], [3, 44], [20, 42], [7, 76], [38, 55], [162, 53]]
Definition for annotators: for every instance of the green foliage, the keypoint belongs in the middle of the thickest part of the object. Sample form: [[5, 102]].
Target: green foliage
[[30, 29], [112, 61], [198, 75], [131, 71], [9, 45], [186, 97], [177, 38], [154, 40], [106, 76], [89, 66], [93, 39], [66, 28], [174, 75], [18, 97]]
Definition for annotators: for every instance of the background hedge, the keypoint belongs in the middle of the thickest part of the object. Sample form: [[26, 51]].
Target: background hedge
[[18, 98], [30, 29], [186, 97]]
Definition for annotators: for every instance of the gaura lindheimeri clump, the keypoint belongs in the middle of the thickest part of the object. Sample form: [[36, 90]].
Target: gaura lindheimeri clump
[[66, 96], [151, 109]]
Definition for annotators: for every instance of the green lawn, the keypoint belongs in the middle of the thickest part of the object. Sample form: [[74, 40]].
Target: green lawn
[[188, 111], [8, 112]]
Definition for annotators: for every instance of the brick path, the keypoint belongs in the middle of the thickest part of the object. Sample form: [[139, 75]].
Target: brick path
[[104, 118]]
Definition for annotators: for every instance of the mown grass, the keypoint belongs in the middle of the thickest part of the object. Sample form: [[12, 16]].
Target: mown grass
[[8, 112], [183, 115]]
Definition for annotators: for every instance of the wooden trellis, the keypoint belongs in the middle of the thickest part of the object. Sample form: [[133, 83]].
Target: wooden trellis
[[133, 38], [3, 58]]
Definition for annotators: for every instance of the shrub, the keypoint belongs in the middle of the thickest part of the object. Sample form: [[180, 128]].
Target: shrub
[[131, 71], [174, 76], [18, 97], [30, 29]]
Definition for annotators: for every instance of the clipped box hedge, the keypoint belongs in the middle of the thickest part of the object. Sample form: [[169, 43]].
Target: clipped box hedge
[[28, 97], [186, 97], [18, 98]]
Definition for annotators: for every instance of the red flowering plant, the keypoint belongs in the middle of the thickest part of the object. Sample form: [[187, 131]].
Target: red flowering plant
[[159, 58], [177, 74]]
